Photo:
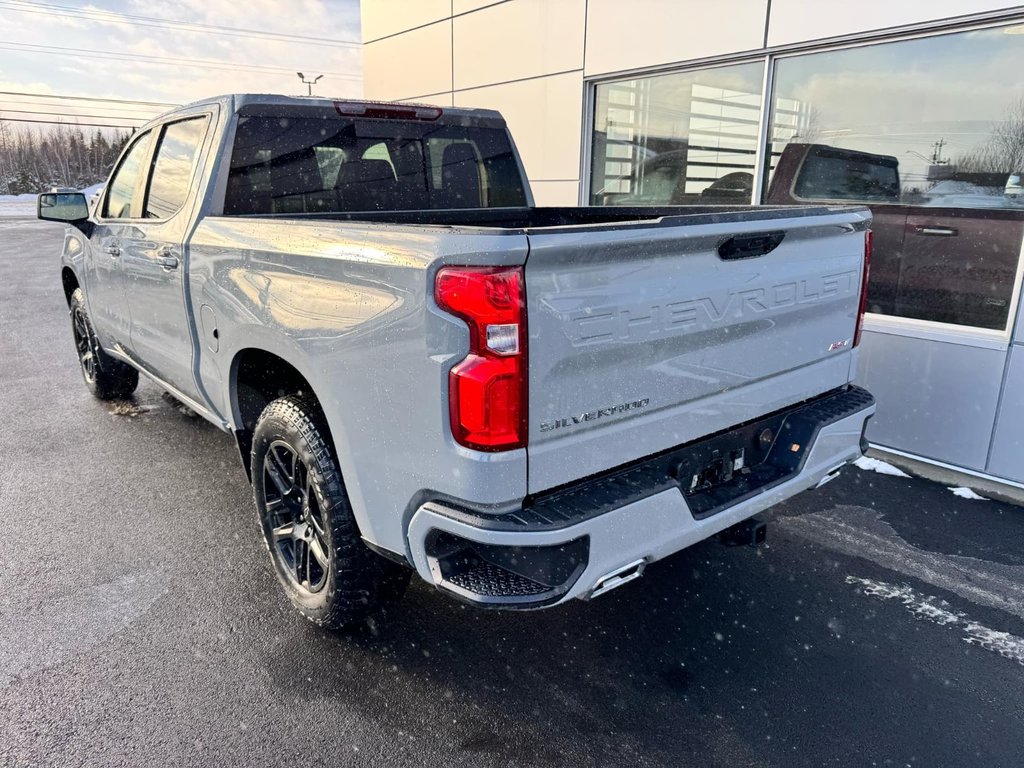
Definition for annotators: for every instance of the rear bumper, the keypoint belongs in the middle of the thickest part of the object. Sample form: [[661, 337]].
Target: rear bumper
[[584, 539]]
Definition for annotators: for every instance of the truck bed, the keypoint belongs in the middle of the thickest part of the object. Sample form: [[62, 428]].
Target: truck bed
[[530, 219]]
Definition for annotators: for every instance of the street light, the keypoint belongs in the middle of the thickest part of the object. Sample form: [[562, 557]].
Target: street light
[[309, 83]]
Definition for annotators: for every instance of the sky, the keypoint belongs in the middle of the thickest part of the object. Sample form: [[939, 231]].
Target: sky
[[166, 53]]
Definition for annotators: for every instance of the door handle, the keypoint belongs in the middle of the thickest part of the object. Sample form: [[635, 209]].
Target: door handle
[[937, 231], [113, 250], [168, 262]]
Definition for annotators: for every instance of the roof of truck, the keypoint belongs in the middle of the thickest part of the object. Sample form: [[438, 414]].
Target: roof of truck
[[346, 107]]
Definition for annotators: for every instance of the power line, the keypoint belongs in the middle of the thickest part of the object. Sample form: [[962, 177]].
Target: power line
[[151, 21], [74, 125], [65, 114], [89, 53], [150, 112], [88, 98]]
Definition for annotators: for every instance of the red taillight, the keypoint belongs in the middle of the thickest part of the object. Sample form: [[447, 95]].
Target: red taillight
[[487, 390], [868, 239]]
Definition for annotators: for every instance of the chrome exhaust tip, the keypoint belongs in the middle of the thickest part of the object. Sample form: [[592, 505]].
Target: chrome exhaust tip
[[618, 577]]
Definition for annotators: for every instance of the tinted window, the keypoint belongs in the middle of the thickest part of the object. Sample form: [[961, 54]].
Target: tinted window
[[328, 163], [172, 169], [828, 174], [122, 201], [677, 139]]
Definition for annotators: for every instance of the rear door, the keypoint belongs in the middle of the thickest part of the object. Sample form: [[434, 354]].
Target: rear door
[[154, 259], [642, 338]]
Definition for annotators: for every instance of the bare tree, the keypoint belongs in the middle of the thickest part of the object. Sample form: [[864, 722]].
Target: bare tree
[[1003, 152]]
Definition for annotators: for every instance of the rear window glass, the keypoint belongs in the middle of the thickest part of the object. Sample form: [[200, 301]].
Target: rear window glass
[[829, 174], [325, 164]]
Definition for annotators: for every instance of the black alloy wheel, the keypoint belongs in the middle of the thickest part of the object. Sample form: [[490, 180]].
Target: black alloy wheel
[[308, 524], [106, 377], [298, 529], [85, 343]]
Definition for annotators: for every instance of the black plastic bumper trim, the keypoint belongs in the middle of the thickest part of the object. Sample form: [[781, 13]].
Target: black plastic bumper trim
[[768, 466]]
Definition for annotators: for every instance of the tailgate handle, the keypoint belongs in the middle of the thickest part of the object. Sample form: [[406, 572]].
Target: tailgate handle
[[749, 246]]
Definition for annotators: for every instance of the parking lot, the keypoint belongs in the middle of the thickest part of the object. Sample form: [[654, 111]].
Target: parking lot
[[142, 625]]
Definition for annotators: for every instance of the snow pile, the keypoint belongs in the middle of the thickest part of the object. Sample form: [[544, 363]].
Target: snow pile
[[966, 493], [881, 467]]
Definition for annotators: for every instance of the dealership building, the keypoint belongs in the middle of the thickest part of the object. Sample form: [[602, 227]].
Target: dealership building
[[913, 107]]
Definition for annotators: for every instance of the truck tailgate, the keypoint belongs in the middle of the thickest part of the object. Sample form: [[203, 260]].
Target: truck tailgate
[[642, 338]]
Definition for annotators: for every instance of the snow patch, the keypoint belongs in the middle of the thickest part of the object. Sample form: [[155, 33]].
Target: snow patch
[[18, 205], [966, 493], [881, 467], [1006, 645], [922, 607], [938, 611]]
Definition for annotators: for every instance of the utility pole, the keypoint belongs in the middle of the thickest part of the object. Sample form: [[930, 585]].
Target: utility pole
[[937, 154], [309, 83]]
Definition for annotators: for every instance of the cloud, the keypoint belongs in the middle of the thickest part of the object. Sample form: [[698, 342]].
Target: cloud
[[248, 62]]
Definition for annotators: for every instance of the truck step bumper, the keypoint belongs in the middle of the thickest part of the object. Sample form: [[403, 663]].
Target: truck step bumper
[[586, 539]]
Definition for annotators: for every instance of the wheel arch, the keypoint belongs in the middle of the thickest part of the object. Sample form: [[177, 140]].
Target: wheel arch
[[70, 281], [257, 377]]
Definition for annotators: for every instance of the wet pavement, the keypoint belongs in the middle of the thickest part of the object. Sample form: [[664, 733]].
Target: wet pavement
[[140, 622]]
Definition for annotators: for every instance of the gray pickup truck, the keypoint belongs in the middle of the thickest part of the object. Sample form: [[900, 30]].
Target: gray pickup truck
[[424, 372]]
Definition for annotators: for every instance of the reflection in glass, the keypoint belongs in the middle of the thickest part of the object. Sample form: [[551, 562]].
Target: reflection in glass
[[930, 133], [939, 106], [121, 202], [676, 139], [172, 170]]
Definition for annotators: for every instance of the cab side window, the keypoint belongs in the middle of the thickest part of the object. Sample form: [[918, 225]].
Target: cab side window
[[172, 167], [124, 197]]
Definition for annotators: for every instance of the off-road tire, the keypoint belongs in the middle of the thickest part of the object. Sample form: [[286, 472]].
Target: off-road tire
[[106, 377], [357, 581]]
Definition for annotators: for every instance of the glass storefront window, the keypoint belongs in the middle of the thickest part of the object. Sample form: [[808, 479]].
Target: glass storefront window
[[930, 133], [677, 139]]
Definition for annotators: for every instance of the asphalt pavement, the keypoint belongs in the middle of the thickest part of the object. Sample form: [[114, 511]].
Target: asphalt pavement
[[141, 624]]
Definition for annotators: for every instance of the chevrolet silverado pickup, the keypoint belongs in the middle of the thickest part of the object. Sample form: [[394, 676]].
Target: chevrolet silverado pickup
[[425, 373]]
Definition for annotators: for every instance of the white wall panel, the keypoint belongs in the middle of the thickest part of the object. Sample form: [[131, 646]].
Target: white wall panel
[[631, 35], [386, 17], [1008, 439], [465, 6], [437, 100], [521, 38], [410, 64], [558, 193], [544, 116], [935, 399], [794, 21]]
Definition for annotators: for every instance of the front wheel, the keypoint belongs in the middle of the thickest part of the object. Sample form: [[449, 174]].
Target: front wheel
[[326, 570], [105, 377]]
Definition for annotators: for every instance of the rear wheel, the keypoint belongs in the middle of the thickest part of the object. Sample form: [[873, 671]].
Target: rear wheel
[[326, 570], [105, 377]]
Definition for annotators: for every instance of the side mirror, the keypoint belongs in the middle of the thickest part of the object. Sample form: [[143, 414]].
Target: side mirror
[[69, 207]]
